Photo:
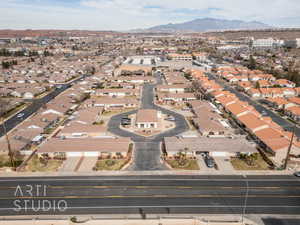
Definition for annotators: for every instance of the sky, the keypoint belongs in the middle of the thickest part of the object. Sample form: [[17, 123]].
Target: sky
[[124, 15]]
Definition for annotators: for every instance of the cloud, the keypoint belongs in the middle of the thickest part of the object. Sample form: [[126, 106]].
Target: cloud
[[129, 14]]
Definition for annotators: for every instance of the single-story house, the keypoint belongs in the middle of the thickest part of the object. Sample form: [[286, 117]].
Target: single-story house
[[79, 147], [222, 147], [147, 118]]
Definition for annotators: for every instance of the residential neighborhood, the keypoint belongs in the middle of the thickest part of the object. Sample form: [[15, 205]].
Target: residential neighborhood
[[89, 110], [134, 112]]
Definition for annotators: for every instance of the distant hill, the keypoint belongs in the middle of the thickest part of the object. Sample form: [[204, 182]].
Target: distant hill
[[207, 24]]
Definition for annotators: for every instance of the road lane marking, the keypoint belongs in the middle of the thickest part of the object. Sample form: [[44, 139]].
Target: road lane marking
[[149, 196], [176, 187], [167, 206], [292, 179], [160, 187]]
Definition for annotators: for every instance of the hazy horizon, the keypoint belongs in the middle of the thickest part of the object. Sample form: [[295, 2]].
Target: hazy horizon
[[121, 15]]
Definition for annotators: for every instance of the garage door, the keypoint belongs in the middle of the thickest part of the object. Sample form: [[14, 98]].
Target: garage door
[[218, 154], [91, 154], [74, 154]]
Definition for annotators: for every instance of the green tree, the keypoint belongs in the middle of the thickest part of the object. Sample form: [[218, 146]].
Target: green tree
[[252, 63], [257, 86]]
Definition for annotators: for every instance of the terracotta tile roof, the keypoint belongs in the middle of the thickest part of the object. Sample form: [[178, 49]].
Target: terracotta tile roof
[[272, 138], [295, 100], [294, 110], [252, 122], [224, 100]]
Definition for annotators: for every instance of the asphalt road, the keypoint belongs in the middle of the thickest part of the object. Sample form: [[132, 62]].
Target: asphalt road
[[34, 106], [147, 149], [150, 194], [260, 108]]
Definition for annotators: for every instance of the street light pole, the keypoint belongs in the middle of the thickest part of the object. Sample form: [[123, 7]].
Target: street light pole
[[246, 198]]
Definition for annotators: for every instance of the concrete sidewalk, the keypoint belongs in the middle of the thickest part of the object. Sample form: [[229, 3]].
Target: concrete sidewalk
[[143, 173], [178, 220]]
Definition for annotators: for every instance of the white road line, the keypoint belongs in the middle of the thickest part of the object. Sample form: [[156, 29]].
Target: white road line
[[165, 206], [145, 179]]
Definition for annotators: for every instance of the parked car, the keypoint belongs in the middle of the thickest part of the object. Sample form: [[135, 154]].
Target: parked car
[[210, 162], [297, 174], [170, 118], [264, 113], [125, 121], [20, 115]]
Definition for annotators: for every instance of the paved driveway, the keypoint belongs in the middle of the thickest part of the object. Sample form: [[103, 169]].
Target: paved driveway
[[224, 164], [87, 164], [70, 164]]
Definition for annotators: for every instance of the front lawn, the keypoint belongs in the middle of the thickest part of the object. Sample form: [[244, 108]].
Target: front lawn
[[37, 165], [191, 164], [5, 161], [110, 164], [241, 164]]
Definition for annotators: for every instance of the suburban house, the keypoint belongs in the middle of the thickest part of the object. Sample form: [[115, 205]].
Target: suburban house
[[116, 92], [216, 147], [127, 69], [208, 121], [133, 79], [175, 88], [88, 147], [85, 123], [175, 97], [111, 103], [293, 112], [147, 118], [285, 83], [279, 103]]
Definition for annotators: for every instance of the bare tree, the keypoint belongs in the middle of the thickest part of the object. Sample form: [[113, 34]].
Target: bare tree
[[3, 109]]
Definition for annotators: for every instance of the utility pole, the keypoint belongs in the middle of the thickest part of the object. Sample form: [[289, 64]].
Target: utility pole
[[10, 153], [289, 148]]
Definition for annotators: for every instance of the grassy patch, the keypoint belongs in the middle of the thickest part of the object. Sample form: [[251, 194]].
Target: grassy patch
[[110, 164], [240, 164], [35, 165], [5, 161], [191, 164]]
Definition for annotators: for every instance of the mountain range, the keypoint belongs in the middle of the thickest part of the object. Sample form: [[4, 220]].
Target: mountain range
[[207, 24]]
